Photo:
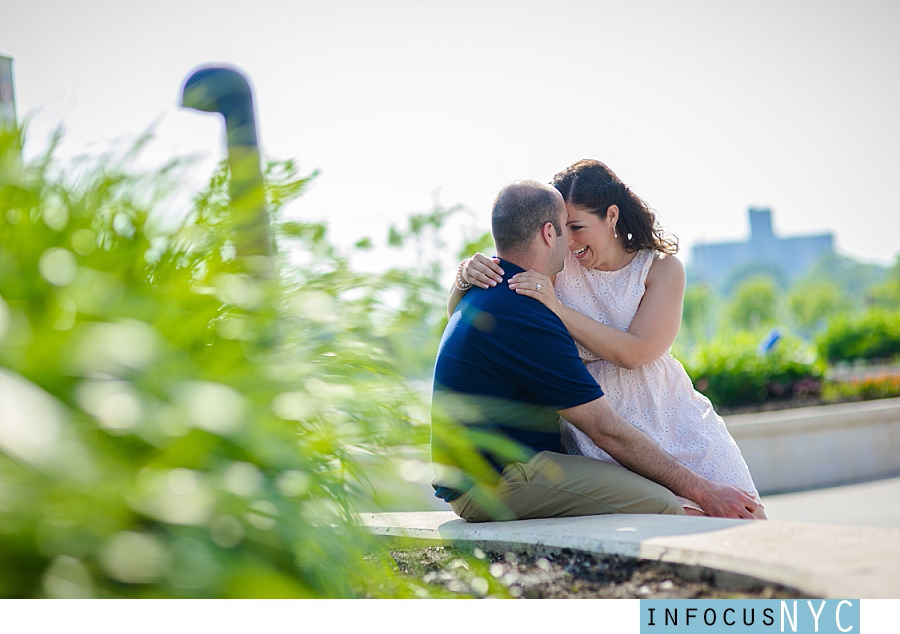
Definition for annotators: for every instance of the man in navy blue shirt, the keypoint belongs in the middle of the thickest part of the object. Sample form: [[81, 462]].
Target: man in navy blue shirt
[[507, 368]]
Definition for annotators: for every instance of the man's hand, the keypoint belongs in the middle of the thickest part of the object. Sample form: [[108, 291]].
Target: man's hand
[[722, 500], [635, 450]]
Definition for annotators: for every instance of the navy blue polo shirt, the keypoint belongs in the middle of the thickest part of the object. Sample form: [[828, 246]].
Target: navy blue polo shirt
[[505, 366]]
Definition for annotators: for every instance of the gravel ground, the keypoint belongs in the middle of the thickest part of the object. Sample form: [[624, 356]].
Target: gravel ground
[[563, 575]]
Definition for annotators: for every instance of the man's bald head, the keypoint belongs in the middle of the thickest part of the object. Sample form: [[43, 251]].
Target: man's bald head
[[520, 210]]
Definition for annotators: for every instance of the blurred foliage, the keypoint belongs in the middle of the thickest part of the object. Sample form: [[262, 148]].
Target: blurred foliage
[[845, 311], [416, 329], [812, 304], [886, 294], [697, 312], [731, 371], [872, 336], [867, 388], [755, 304], [483, 243], [172, 425], [854, 278]]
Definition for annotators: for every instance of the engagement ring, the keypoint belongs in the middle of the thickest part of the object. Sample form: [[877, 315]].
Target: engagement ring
[[537, 286]]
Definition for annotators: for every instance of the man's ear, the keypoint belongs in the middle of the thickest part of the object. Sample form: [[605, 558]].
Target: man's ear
[[548, 233]]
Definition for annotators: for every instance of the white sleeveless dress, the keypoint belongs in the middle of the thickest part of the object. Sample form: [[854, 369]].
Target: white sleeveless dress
[[657, 397]]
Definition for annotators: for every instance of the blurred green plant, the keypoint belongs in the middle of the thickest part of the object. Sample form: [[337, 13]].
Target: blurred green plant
[[483, 243], [697, 314], [886, 294], [754, 305], [416, 330], [863, 389], [173, 427], [731, 371], [814, 302], [872, 336], [852, 277]]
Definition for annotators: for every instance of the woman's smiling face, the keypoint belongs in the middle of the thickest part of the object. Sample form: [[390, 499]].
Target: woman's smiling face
[[591, 239]]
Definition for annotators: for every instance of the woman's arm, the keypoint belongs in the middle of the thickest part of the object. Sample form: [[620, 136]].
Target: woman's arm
[[455, 296], [478, 270], [650, 334]]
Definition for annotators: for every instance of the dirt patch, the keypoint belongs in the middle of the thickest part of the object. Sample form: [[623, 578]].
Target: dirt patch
[[567, 574]]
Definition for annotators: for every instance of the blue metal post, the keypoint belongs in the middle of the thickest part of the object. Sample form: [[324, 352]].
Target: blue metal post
[[225, 90]]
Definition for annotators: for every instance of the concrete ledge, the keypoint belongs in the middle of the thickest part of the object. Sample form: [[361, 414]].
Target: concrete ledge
[[812, 447], [821, 561], [786, 450]]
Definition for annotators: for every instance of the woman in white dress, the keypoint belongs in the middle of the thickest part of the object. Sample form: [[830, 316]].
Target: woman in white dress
[[620, 296]]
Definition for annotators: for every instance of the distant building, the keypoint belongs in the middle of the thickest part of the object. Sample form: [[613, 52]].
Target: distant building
[[786, 259]]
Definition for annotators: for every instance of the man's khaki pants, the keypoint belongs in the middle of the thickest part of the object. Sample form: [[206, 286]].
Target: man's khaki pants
[[559, 485]]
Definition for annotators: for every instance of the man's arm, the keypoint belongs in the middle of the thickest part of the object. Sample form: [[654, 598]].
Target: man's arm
[[636, 451]]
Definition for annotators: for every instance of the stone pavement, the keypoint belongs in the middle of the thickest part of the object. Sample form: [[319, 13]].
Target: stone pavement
[[875, 503], [826, 561]]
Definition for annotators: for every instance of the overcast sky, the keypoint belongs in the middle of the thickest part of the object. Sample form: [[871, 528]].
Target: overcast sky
[[704, 107]]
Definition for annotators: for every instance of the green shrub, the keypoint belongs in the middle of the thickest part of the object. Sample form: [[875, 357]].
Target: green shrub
[[872, 336], [755, 303], [886, 294], [173, 426], [731, 372], [697, 311], [813, 302]]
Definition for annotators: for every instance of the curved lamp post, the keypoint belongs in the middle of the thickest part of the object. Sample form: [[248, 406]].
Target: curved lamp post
[[225, 90]]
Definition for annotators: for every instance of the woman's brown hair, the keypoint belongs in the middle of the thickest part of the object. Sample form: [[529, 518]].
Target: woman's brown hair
[[591, 185]]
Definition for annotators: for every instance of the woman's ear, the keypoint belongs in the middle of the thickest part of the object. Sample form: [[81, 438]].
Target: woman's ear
[[612, 214]]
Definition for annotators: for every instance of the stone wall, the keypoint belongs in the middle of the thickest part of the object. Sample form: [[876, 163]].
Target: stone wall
[[815, 447]]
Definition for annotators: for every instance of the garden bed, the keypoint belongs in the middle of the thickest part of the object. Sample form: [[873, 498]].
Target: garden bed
[[773, 405], [567, 574]]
